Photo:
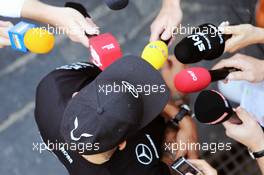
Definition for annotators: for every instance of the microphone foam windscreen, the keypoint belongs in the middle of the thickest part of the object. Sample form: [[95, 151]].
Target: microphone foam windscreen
[[39, 41], [215, 41], [192, 79], [205, 43], [156, 53], [211, 107], [116, 4]]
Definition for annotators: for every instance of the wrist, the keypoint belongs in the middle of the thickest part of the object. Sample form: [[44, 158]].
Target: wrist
[[259, 35], [185, 122], [171, 4], [259, 146], [45, 15]]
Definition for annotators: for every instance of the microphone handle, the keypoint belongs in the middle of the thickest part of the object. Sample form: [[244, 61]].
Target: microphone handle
[[80, 8], [221, 74], [166, 42], [227, 37]]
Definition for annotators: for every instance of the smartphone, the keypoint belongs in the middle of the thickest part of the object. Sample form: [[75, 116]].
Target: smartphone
[[182, 166]]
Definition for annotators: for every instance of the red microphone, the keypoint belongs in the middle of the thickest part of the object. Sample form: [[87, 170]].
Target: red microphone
[[198, 78], [105, 48]]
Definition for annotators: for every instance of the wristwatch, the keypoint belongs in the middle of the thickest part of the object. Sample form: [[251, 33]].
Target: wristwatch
[[184, 111], [256, 155]]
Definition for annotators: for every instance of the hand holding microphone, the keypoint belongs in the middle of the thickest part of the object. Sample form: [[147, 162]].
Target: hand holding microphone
[[251, 68], [249, 133], [168, 19], [206, 43], [242, 35], [197, 78], [104, 48]]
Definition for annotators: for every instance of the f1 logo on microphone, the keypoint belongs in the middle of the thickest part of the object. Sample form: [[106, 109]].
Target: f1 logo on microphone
[[198, 43], [109, 46], [192, 74]]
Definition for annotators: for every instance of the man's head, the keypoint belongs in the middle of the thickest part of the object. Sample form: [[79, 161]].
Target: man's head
[[113, 108], [101, 158]]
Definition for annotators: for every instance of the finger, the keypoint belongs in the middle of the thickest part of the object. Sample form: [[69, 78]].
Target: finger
[[231, 62], [88, 26], [238, 75], [94, 29], [5, 42], [232, 44], [5, 24], [76, 34], [197, 163], [155, 33], [234, 30], [243, 115], [228, 125], [192, 154], [181, 153], [167, 34], [4, 32]]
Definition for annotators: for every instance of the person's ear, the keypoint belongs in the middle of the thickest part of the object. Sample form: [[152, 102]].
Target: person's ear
[[122, 146], [74, 94]]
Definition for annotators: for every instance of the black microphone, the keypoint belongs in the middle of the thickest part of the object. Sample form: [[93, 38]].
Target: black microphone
[[221, 74], [205, 43], [117, 4], [212, 108], [79, 7]]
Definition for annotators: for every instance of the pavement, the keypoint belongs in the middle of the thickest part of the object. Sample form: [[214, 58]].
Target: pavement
[[20, 74]]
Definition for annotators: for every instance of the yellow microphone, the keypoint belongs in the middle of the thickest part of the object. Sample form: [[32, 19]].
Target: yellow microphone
[[156, 53], [39, 41]]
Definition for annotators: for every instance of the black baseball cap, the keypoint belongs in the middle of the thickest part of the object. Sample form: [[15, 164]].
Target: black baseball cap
[[94, 116]]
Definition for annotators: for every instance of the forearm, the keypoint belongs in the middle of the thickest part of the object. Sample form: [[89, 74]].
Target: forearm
[[256, 147], [38, 11], [261, 164], [170, 3], [259, 35]]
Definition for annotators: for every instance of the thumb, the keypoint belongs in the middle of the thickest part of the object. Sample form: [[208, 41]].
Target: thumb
[[166, 35], [91, 28], [238, 75], [243, 115], [228, 125], [234, 30], [155, 33]]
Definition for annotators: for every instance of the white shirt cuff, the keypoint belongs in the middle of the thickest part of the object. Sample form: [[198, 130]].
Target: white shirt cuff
[[11, 8]]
